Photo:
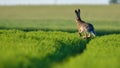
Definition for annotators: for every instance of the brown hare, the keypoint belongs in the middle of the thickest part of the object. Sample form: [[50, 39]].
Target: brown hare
[[87, 28]]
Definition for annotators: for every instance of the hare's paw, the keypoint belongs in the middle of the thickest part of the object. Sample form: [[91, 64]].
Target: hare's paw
[[84, 37]]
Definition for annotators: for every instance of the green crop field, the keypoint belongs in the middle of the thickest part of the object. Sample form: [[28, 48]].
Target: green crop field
[[46, 37]]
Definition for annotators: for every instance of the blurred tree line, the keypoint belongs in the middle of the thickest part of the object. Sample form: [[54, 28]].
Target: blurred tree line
[[114, 1]]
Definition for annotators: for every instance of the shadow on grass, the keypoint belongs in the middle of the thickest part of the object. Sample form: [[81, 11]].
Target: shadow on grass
[[64, 51], [42, 29], [98, 32], [107, 32]]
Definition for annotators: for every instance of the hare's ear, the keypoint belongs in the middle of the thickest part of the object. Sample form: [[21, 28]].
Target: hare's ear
[[78, 10]]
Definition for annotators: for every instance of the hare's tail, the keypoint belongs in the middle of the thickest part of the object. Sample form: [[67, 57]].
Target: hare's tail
[[91, 29], [93, 33]]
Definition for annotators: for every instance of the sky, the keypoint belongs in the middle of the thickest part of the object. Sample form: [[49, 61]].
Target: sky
[[41, 2]]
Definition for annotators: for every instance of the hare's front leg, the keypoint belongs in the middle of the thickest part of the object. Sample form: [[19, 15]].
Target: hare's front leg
[[79, 32], [85, 35]]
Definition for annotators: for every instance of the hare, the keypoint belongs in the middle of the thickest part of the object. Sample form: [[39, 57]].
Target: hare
[[87, 28]]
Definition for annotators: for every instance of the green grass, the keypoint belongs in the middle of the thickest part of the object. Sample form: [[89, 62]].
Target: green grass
[[46, 25], [46, 37], [37, 49], [88, 12]]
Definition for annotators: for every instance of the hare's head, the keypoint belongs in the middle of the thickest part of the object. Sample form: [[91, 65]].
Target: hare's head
[[77, 12]]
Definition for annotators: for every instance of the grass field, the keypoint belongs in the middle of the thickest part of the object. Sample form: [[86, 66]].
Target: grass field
[[46, 37]]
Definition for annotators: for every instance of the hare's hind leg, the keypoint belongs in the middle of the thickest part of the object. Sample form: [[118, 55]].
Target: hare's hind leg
[[85, 35], [89, 35]]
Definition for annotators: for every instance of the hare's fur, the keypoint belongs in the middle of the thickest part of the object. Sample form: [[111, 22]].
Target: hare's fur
[[87, 28]]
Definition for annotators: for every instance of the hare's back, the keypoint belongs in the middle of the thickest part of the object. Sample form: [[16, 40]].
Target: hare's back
[[87, 27]]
